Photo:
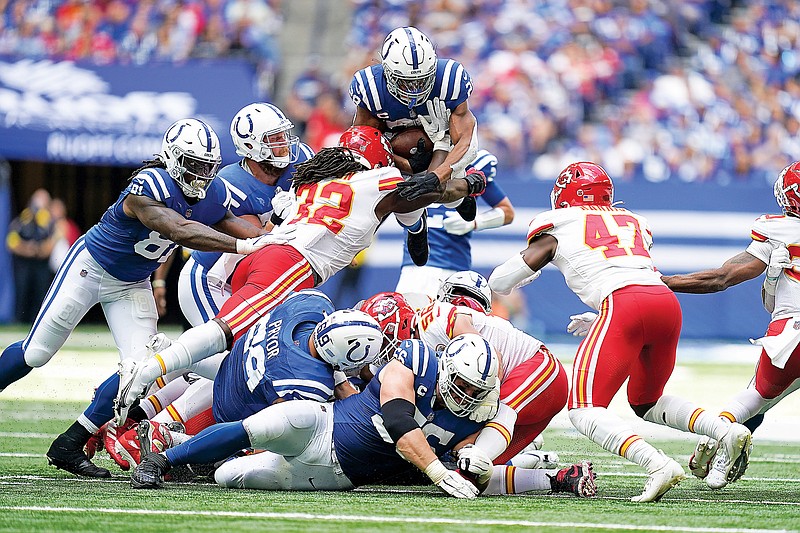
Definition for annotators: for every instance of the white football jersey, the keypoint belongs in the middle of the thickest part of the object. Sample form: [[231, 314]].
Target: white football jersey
[[768, 232], [436, 323], [335, 219], [600, 249]]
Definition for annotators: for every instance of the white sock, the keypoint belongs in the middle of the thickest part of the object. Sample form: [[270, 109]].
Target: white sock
[[195, 400], [614, 435], [164, 396], [514, 480], [684, 415], [743, 406], [192, 346]]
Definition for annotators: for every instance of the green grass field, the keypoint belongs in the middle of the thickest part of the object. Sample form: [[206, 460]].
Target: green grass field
[[37, 497]]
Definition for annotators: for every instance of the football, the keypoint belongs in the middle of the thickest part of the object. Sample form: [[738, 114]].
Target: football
[[404, 143]]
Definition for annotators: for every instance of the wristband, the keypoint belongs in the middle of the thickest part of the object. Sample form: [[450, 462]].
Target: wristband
[[159, 283], [436, 471]]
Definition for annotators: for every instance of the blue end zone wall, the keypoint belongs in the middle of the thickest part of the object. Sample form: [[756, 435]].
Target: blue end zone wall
[[695, 226]]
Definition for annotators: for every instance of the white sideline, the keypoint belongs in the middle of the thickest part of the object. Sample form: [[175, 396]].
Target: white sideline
[[384, 519]]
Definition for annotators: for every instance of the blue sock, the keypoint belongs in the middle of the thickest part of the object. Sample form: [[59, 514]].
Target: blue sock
[[415, 227], [210, 445], [12, 365], [101, 410]]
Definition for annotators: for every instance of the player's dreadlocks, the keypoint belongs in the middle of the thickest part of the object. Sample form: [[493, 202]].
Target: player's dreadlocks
[[156, 162], [329, 163]]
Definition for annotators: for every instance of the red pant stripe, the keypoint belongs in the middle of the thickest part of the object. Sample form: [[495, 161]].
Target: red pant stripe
[[587, 353]]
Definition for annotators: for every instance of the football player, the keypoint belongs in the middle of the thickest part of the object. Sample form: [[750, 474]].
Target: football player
[[449, 234], [603, 253], [173, 199], [375, 435], [412, 87], [772, 249], [299, 351], [343, 194]]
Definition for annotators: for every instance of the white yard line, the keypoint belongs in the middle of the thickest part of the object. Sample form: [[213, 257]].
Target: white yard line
[[388, 519]]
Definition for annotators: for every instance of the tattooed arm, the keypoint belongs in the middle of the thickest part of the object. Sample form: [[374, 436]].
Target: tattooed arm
[[737, 269]]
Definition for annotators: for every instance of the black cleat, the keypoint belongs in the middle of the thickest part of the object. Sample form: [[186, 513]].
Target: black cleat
[[150, 472], [418, 243], [73, 460], [579, 479], [468, 208]]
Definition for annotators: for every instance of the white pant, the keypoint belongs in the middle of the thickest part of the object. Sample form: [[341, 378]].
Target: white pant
[[299, 438], [200, 298], [422, 279], [79, 284]]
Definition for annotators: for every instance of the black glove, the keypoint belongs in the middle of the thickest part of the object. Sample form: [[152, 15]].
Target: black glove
[[420, 159], [476, 182], [419, 184]]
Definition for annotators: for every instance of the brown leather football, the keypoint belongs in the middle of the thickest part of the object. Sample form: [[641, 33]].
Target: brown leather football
[[406, 140]]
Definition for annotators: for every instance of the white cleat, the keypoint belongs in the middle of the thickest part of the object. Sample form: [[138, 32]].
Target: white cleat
[[535, 459], [661, 480], [704, 452], [131, 388], [732, 457]]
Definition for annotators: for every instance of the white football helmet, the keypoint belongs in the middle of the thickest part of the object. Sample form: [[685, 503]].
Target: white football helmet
[[348, 339], [252, 128], [470, 358], [409, 64], [466, 283], [190, 150]]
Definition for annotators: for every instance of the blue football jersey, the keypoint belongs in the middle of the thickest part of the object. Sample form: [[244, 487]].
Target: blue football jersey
[[249, 196], [453, 252], [274, 361], [129, 250], [368, 90]]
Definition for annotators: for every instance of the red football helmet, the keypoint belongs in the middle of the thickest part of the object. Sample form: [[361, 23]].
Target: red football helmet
[[369, 145], [787, 189], [466, 301], [396, 318], [582, 183]]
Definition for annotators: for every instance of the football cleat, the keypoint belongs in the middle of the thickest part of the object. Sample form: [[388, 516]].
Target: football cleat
[[468, 208], [154, 437], [130, 388], [111, 441], [732, 457], [417, 243], [704, 452], [64, 457], [661, 480], [578, 479], [150, 472], [535, 459]]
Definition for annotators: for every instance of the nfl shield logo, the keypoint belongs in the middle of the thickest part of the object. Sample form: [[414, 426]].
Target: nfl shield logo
[[796, 325], [84, 273]]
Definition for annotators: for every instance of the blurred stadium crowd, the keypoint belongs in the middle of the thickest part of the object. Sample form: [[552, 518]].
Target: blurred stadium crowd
[[695, 90]]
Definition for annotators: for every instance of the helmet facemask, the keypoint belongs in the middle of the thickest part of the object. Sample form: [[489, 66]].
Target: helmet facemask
[[191, 154], [263, 133], [409, 65], [467, 361]]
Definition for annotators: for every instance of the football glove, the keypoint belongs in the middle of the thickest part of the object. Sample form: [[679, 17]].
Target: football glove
[[475, 461], [437, 122], [488, 407], [450, 481], [778, 260], [579, 325], [455, 225], [248, 246], [282, 204], [420, 159], [418, 185]]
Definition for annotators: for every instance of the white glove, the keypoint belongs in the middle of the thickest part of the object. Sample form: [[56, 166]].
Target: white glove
[[579, 325], [248, 246], [157, 342], [437, 122], [282, 203], [455, 225], [475, 461], [778, 260], [450, 481], [488, 407]]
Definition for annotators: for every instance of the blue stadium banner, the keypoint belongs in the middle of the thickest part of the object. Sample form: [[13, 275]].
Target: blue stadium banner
[[61, 111]]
